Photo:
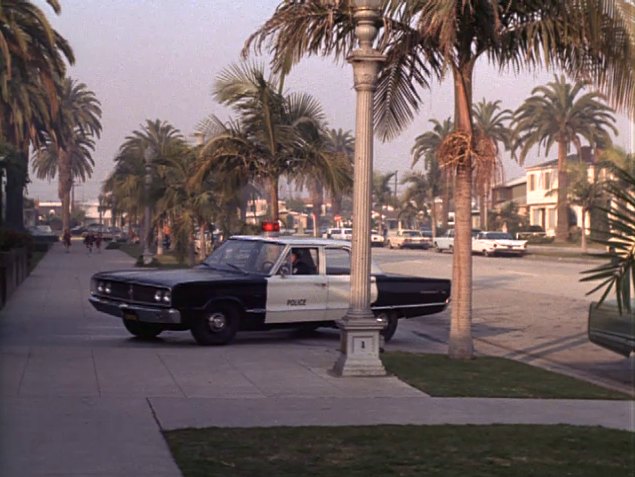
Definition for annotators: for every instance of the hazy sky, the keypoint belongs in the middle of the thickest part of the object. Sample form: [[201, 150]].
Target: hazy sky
[[157, 59]]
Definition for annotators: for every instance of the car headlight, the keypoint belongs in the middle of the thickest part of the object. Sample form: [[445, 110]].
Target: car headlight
[[167, 297], [107, 288], [100, 287], [158, 295]]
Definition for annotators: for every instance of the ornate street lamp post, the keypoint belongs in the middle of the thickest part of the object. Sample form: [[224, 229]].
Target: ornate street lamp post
[[148, 156], [360, 330]]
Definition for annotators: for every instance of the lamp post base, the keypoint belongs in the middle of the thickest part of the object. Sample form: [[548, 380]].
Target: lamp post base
[[359, 348], [147, 258]]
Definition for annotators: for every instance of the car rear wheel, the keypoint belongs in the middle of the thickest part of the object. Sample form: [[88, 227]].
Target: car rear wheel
[[437, 248], [486, 253], [143, 330], [218, 326], [391, 320]]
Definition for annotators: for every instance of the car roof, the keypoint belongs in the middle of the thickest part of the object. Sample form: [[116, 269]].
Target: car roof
[[292, 240]]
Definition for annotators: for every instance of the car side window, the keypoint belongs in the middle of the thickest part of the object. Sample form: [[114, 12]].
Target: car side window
[[301, 261], [338, 261]]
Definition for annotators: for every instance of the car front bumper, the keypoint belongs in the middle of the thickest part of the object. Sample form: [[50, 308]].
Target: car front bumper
[[144, 314]]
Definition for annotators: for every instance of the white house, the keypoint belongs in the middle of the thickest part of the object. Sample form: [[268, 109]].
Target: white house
[[542, 193]]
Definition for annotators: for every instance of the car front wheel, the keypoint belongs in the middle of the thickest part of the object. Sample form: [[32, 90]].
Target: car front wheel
[[143, 330], [218, 326]]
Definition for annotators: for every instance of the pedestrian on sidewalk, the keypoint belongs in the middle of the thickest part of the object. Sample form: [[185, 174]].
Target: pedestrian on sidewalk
[[89, 240], [98, 240], [66, 239]]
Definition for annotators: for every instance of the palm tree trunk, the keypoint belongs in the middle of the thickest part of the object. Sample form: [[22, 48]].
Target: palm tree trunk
[[273, 194], [562, 227], [583, 231], [65, 183], [202, 252], [445, 201], [483, 210], [460, 344]]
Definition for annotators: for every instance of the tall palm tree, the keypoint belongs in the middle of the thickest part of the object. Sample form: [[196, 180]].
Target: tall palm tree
[[560, 113], [427, 145], [32, 62], [78, 118], [46, 160], [382, 194], [426, 39], [264, 141], [491, 126], [340, 142], [418, 193]]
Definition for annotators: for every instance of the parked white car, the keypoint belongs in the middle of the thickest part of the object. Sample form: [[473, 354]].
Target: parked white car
[[376, 239], [498, 243], [407, 239], [339, 234]]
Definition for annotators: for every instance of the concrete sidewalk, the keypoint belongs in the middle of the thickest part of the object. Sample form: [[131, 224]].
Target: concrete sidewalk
[[80, 397]]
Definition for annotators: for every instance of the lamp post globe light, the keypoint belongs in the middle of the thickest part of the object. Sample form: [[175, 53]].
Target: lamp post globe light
[[148, 156], [360, 330]]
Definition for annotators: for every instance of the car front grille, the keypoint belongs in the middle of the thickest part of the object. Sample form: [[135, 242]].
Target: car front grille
[[131, 292]]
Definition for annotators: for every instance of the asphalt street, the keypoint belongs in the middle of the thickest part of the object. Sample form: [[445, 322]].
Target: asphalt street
[[532, 309]]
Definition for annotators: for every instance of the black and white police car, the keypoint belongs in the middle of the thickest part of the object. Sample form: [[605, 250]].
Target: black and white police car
[[252, 283]]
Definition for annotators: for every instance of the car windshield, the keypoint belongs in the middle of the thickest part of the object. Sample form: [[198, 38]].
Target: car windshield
[[249, 256], [498, 236]]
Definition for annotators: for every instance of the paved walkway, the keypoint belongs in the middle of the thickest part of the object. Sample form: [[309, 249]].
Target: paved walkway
[[79, 397]]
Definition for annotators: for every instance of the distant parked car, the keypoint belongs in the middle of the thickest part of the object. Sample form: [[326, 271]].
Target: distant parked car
[[44, 233], [498, 243], [376, 239], [405, 238], [532, 231], [339, 233]]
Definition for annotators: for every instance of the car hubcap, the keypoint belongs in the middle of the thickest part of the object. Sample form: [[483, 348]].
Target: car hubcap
[[216, 322]]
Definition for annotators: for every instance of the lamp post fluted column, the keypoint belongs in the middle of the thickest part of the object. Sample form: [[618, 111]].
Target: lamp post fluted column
[[360, 330], [148, 156]]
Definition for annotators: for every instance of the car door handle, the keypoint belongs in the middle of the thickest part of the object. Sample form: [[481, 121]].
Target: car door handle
[[320, 285]]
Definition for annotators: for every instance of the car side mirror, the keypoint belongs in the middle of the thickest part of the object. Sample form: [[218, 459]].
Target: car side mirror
[[284, 270]]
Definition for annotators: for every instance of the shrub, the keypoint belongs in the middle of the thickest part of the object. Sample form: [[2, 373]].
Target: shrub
[[10, 239]]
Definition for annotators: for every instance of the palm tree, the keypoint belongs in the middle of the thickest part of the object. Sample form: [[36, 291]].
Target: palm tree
[[126, 182], [584, 193], [46, 160], [418, 193], [382, 194], [619, 273], [33, 59], [424, 40], [490, 124], [340, 142], [427, 145], [77, 120], [555, 114], [266, 140]]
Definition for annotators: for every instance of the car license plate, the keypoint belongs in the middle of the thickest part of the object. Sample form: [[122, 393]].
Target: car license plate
[[129, 316]]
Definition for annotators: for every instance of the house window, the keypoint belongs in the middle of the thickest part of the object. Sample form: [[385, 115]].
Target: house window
[[547, 180], [532, 182]]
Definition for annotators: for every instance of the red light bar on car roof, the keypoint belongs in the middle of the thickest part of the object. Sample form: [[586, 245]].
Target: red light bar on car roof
[[270, 227]]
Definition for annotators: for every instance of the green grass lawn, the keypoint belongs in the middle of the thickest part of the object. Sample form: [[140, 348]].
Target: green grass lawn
[[404, 451], [438, 375]]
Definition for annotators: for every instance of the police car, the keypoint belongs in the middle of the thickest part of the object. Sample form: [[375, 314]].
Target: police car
[[257, 283]]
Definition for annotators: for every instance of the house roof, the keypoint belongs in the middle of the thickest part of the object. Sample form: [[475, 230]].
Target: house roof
[[587, 156], [512, 182]]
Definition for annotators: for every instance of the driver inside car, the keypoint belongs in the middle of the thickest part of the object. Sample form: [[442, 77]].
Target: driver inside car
[[299, 265]]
